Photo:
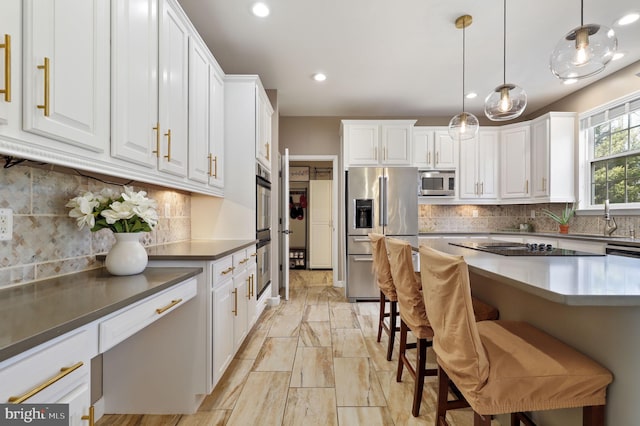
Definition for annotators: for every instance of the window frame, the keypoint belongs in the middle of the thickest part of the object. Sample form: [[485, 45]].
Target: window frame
[[586, 152]]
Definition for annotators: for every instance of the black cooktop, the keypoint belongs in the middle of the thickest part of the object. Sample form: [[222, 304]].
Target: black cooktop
[[521, 249]]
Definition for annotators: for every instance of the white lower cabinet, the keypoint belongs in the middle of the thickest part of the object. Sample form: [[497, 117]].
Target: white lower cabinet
[[55, 372], [222, 304]]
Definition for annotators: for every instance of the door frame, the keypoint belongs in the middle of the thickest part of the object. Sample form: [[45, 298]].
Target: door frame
[[334, 207]]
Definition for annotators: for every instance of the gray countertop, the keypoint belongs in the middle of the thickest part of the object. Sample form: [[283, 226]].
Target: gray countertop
[[34, 313], [195, 249], [586, 281], [616, 240]]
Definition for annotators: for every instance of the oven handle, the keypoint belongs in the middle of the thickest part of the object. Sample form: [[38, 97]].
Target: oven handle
[[622, 251]]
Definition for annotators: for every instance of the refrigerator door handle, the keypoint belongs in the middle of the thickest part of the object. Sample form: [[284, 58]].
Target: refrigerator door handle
[[385, 219], [381, 206]]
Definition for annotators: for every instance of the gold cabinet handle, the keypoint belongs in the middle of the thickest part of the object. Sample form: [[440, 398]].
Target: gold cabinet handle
[[45, 106], [64, 371], [168, 135], [213, 160], [245, 260], [526, 190], [249, 287], [235, 302], [169, 306], [481, 188], [437, 157], [544, 184], [268, 155], [251, 277], [477, 193], [90, 417], [429, 157], [7, 67], [226, 271], [157, 130]]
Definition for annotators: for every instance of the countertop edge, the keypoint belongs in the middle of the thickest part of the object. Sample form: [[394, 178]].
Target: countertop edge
[[19, 347]]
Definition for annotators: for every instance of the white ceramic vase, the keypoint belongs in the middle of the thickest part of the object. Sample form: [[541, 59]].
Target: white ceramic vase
[[127, 256]]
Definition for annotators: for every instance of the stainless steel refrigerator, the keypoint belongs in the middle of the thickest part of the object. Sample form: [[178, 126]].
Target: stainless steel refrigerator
[[382, 200]]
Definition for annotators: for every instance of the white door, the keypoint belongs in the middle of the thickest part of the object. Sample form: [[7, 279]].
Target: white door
[[284, 243], [320, 224], [66, 69]]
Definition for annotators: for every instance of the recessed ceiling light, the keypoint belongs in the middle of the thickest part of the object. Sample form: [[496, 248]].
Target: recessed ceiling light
[[261, 10], [617, 55], [570, 81], [471, 95], [628, 19], [319, 76]]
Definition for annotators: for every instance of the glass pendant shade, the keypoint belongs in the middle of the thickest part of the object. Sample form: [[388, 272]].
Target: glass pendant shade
[[463, 126], [583, 52], [506, 102]]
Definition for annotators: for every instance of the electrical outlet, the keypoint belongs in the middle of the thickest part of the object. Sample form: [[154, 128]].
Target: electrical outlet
[[533, 214], [6, 224], [474, 213]]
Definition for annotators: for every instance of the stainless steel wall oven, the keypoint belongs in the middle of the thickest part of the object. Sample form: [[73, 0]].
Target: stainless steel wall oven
[[263, 228]]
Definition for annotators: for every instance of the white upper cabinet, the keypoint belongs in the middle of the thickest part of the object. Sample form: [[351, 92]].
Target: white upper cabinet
[[478, 173], [264, 111], [206, 104], [552, 157], [134, 111], [373, 142], [66, 71], [515, 160], [174, 90], [10, 39], [434, 149]]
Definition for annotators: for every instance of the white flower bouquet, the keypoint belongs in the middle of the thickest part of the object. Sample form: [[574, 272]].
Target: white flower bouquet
[[129, 211]]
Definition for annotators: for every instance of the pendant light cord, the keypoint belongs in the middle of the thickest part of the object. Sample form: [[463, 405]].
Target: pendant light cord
[[464, 30], [504, 43], [582, 13]]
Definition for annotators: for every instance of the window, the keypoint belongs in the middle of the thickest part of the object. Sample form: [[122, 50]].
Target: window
[[613, 141]]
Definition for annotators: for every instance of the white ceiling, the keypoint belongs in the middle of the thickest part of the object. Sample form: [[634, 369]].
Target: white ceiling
[[401, 58]]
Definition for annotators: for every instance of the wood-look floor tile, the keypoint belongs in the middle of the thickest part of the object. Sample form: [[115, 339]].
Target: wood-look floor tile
[[277, 354], [226, 392], [311, 407], [313, 368], [368, 324], [378, 353], [316, 333], [252, 344], [370, 416], [399, 396], [316, 313], [285, 325], [343, 317], [357, 383], [138, 420], [348, 342], [368, 308], [317, 295], [262, 399], [266, 318], [209, 418]]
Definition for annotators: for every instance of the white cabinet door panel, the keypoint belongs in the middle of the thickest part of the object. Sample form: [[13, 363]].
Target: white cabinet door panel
[[516, 146], [134, 96], [198, 113], [66, 95], [396, 145], [216, 128]]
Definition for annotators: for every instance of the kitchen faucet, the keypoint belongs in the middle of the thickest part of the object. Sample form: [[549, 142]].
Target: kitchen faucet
[[610, 223]]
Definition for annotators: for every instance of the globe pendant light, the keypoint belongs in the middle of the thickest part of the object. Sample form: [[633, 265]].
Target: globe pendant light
[[584, 51], [464, 125], [507, 101]]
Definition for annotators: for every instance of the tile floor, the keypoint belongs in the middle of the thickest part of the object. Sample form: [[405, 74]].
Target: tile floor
[[313, 360]]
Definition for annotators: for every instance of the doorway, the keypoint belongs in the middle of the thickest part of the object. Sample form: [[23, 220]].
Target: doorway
[[313, 216]]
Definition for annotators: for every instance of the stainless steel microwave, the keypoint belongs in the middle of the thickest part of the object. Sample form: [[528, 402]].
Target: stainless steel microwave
[[437, 183]]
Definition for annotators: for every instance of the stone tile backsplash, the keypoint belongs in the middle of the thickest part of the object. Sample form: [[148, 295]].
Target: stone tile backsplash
[[46, 241], [432, 218]]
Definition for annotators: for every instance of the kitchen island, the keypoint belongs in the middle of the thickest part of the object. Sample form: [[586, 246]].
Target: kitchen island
[[591, 303]]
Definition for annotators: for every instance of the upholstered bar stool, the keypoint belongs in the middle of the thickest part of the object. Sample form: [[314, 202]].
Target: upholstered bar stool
[[501, 366], [387, 291]]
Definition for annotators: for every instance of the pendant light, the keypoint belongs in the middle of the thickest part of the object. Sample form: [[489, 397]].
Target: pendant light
[[584, 51], [464, 125], [507, 101]]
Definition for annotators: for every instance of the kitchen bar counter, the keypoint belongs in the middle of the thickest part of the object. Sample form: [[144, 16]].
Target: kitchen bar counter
[[569, 280], [34, 313]]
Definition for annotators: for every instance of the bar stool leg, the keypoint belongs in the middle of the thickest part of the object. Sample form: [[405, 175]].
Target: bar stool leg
[[392, 328], [443, 397], [593, 415], [381, 317], [403, 349], [479, 420], [420, 373]]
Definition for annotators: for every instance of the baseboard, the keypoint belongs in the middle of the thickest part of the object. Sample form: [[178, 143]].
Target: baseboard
[[273, 301], [339, 284], [98, 409]]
